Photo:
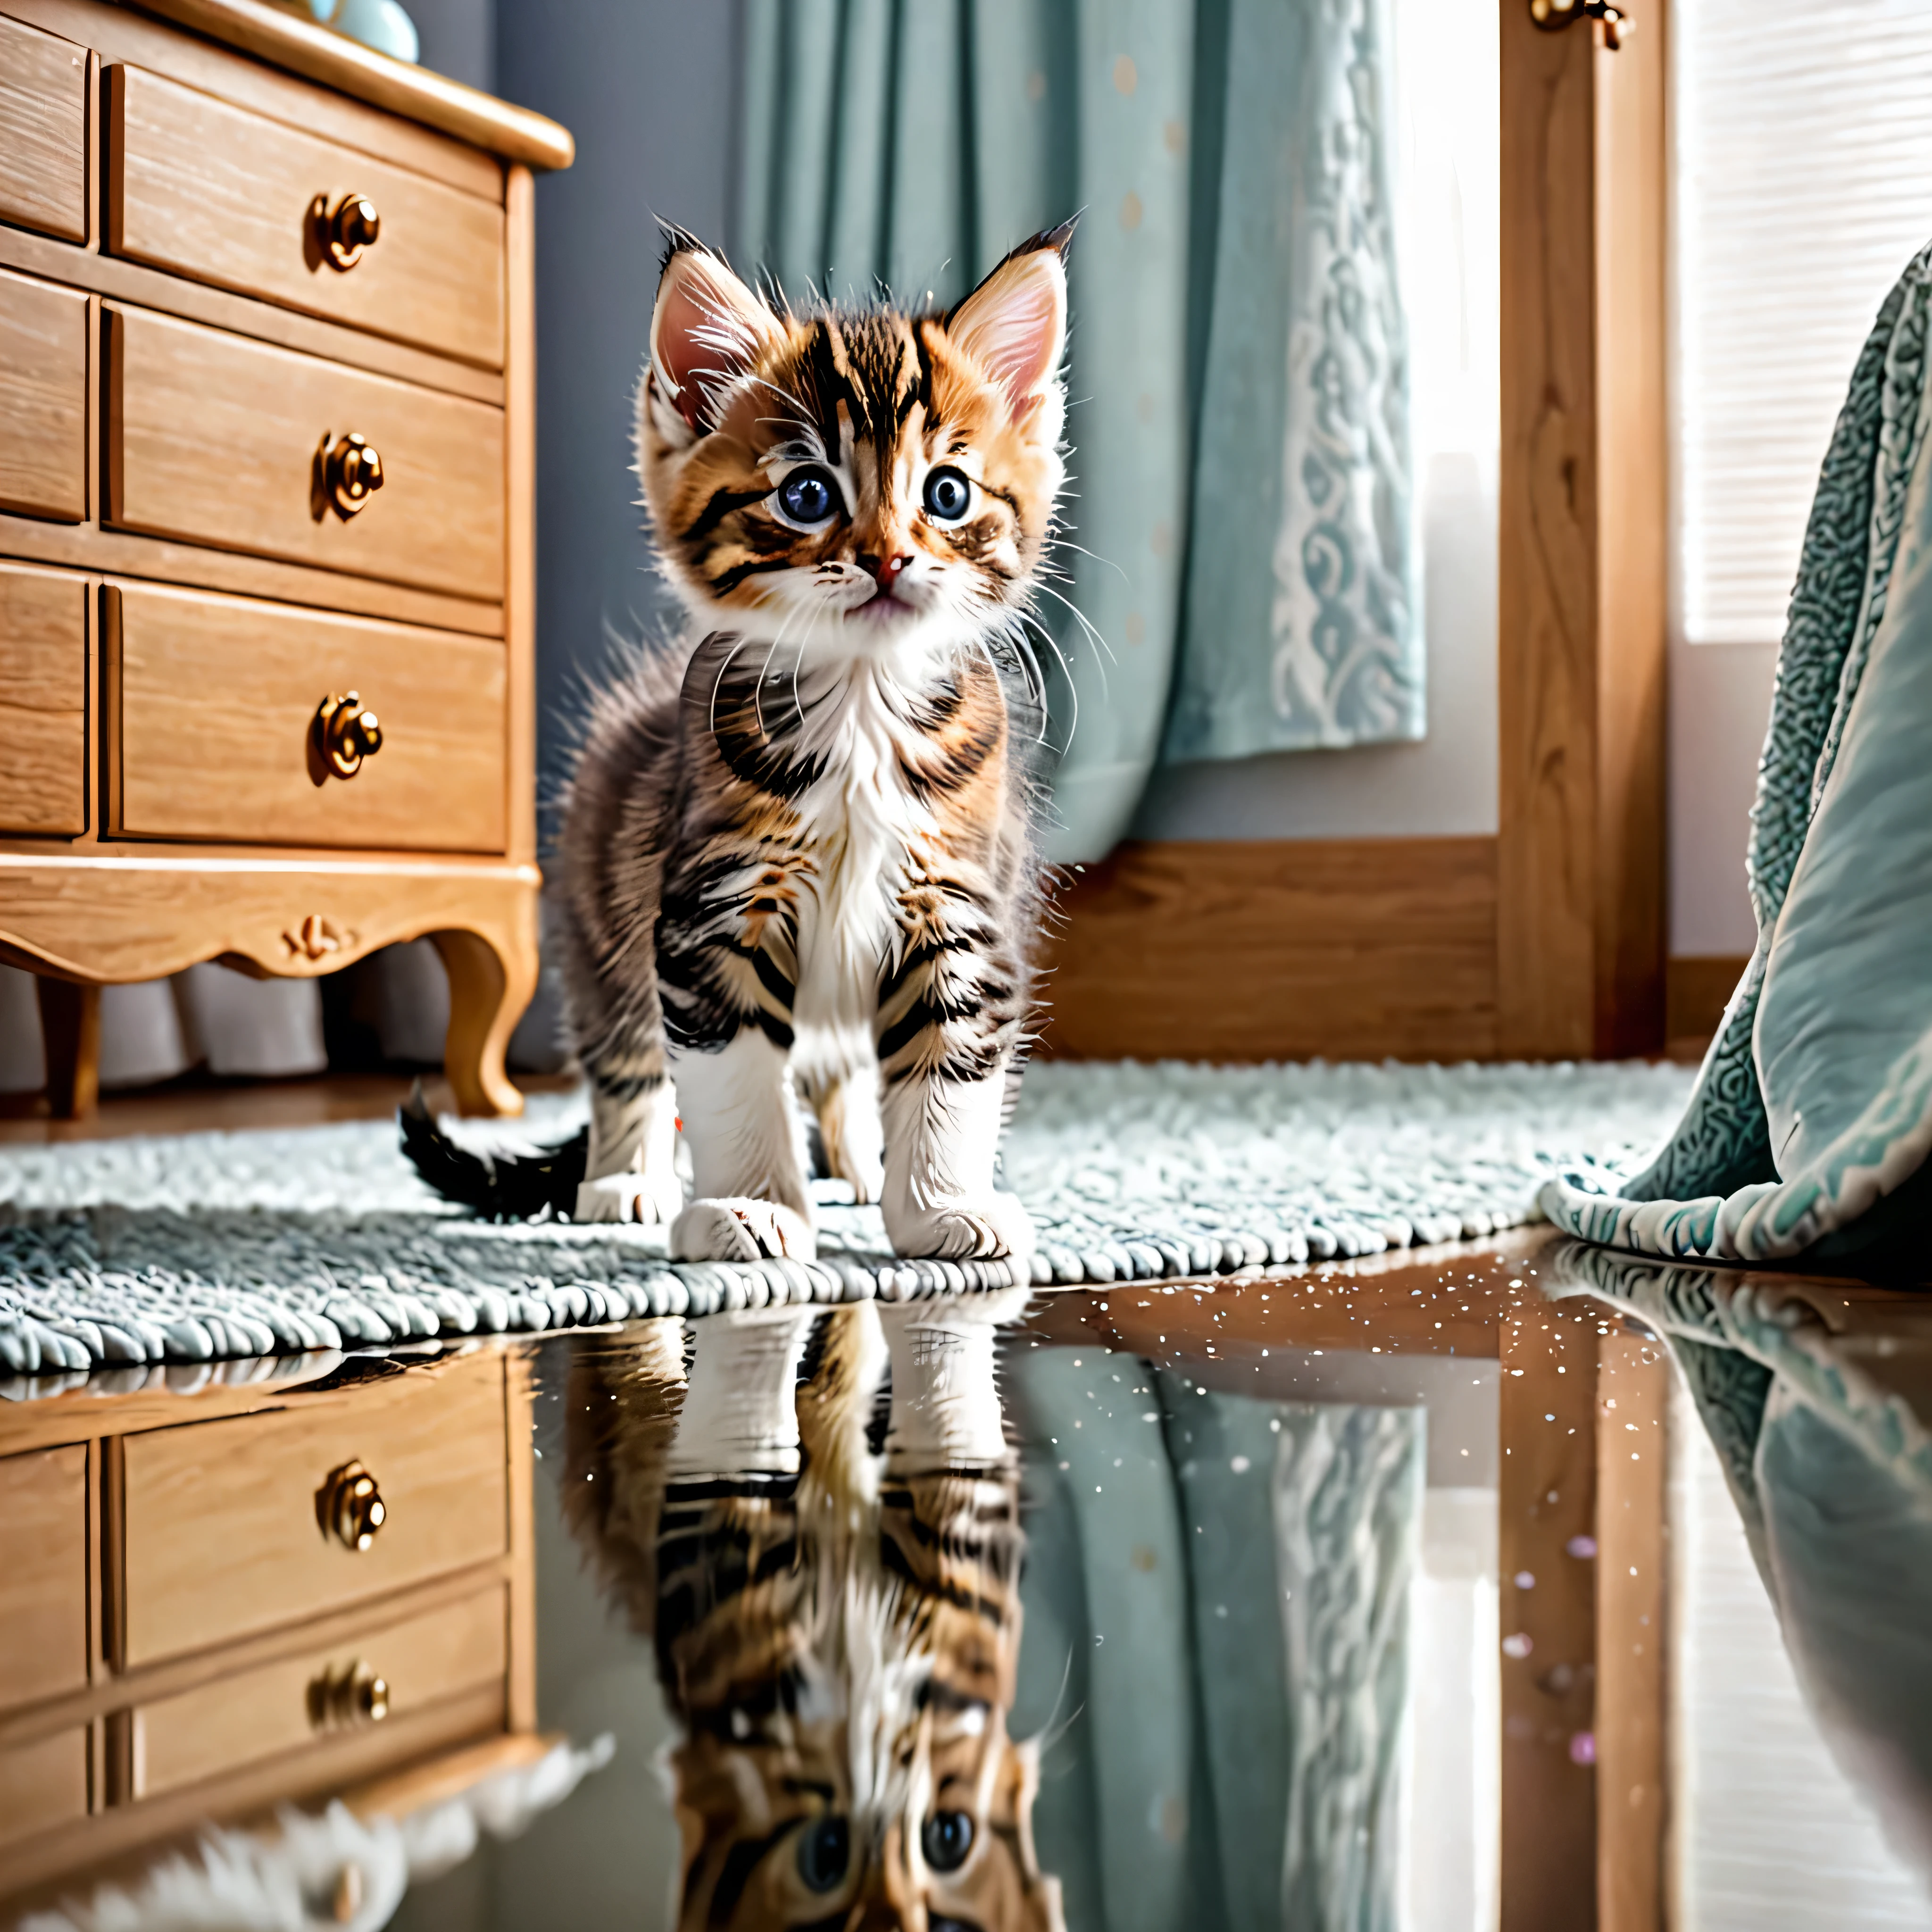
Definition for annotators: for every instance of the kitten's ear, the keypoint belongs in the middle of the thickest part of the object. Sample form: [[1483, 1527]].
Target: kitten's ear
[[707, 330], [1014, 324]]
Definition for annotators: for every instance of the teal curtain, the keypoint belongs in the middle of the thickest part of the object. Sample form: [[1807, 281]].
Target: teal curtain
[[1236, 347]]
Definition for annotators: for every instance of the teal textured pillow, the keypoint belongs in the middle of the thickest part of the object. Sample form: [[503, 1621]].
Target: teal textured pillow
[[1844, 1042], [1811, 1122]]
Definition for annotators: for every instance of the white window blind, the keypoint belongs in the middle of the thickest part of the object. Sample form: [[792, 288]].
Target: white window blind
[[1803, 133]]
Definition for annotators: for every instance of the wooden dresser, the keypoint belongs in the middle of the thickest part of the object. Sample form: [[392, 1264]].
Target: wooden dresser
[[266, 392], [212, 1603]]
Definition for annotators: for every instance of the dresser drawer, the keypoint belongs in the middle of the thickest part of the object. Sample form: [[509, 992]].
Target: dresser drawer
[[43, 707], [43, 131], [43, 399], [217, 701], [44, 1579], [221, 194], [225, 1521], [215, 439], [43, 1784], [384, 1675]]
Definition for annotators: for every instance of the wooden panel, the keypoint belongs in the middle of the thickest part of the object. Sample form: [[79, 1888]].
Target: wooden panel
[[121, 33], [1582, 596], [1346, 949], [222, 1534], [43, 1784], [281, 1707], [1696, 991], [517, 133], [216, 440], [121, 553], [44, 1582], [1632, 1396], [520, 455], [43, 399], [43, 132], [215, 698], [88, 1844], [195, 301], [43, 701], [1546, 1501], [1634, 549], [225, 195], [140, 917]]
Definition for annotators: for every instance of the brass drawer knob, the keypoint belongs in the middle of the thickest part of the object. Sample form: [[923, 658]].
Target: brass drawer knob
[[340, 736], [349, 1507], [347, 473], [339, 1700], [342, 233]]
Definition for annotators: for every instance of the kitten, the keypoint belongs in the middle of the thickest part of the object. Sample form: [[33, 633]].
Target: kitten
[[795, 853]]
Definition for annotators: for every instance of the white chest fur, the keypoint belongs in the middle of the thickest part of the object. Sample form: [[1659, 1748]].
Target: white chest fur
[[857, 824]]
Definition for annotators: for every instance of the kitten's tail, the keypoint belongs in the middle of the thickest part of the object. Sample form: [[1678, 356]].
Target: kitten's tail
[[501, 1186]]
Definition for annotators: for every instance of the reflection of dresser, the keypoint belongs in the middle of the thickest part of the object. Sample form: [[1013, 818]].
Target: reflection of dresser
[[211, 1603], [266, 391]]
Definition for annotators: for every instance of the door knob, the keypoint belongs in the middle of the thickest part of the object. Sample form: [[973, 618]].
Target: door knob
[[347, 472], [342, 733], [349, 1507], [343, 232]]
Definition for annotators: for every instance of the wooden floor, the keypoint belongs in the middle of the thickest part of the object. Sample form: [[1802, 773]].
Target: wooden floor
[[232, 1106]]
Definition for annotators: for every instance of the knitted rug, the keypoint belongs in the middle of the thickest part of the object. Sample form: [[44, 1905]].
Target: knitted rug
[[207, 1247]]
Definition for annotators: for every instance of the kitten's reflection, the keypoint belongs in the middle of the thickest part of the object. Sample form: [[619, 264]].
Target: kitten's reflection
[[830, 1575]]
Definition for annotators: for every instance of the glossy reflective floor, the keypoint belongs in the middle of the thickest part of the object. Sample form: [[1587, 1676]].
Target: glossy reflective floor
[[1516, 1585]]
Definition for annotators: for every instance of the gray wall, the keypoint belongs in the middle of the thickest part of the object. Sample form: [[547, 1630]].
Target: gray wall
[[649, 89]]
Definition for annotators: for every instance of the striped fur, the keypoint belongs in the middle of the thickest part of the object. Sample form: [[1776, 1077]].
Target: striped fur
[[797, 855], [837, 1636]]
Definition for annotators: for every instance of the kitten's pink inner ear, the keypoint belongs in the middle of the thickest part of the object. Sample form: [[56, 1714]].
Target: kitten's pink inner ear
[[706, 331], [1014, 325]]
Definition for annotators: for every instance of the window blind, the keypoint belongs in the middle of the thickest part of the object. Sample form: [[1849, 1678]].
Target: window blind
[[1803, 137]]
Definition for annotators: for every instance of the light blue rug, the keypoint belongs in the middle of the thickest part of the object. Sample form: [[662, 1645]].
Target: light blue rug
[[207, 1247]]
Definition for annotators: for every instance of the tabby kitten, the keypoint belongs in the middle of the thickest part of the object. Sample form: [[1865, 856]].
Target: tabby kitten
[[796, 852]]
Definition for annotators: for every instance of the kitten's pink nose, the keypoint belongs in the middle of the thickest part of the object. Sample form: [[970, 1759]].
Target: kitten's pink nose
[[886, 570]]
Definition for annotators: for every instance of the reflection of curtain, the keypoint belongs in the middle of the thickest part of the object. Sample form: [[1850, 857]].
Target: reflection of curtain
[[1234, 269], [1225, 1584]]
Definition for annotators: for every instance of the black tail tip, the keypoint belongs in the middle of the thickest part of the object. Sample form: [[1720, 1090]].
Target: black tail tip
[[499, 1186]]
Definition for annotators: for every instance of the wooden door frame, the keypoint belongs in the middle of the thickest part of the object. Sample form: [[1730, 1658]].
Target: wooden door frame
[[1583, 582]]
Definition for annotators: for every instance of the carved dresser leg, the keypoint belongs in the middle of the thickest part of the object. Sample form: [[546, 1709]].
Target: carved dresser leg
[[70, 1033], [488, 990]]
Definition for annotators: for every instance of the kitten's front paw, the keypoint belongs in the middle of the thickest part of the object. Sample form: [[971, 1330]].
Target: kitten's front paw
[[655, 1200], [979, 1227], [740, 1229]]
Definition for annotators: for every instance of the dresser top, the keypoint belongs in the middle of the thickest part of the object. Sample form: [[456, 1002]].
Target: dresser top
[[285, 40]]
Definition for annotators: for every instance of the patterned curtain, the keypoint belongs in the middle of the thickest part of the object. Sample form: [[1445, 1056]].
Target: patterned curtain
[[1241, 553]]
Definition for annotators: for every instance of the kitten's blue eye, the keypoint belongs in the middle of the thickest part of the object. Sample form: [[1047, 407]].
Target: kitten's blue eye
[[947, 494], [824, 1850], [808, 496], [945, 1839]]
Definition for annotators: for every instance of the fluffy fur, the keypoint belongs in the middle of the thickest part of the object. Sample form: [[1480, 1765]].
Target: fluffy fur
[[837, 1629], [795, 858]]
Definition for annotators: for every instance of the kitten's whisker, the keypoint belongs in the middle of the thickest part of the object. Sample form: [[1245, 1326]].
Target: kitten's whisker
[[718, 682], [1067, 543], [1066, 671], [1081, 618]]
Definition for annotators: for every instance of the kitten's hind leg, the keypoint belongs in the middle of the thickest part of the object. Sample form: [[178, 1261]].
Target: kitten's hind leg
[[747, 1156], [838, 1078], [631, 1174]]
